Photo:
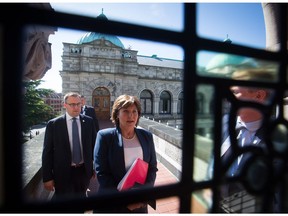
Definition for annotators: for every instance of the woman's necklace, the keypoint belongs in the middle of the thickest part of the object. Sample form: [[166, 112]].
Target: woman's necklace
[[130, 137]]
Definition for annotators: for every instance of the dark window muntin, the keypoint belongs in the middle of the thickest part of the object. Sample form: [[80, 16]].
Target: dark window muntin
[[12, 65]]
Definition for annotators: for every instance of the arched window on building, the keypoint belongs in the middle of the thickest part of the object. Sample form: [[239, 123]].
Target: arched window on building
[[180, 104], [146, 100], [200, 103], [165, 103]]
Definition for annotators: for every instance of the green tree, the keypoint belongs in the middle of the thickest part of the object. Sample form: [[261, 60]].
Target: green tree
[[35, 110]]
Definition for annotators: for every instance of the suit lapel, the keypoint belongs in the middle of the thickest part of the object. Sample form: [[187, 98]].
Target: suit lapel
[[63, 124], [119, 157], [83, 127]]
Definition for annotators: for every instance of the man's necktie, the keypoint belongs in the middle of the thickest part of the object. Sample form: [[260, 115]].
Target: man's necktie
[[244, 138], [76, 143]]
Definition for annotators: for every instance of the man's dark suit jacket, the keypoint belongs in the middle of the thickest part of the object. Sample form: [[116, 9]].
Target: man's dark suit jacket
[[230, 189], [89, 111], [109, 157], [56, 156]]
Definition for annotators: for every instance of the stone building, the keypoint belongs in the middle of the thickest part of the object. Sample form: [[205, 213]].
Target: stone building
[[99, 67], [55, 100]]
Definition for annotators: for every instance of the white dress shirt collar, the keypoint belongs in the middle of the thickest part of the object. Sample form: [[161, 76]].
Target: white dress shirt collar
[[70, 117]]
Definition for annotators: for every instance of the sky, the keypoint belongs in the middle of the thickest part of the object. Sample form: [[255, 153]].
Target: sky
[[242, 22]]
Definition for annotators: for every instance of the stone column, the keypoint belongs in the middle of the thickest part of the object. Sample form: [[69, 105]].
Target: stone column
[[271, 12]]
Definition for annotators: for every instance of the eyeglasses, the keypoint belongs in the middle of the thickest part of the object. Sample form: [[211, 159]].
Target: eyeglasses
[[74, 104]]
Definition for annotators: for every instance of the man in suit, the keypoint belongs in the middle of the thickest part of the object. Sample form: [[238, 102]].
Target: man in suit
[[89, 110], [61, 173], [249, 132]]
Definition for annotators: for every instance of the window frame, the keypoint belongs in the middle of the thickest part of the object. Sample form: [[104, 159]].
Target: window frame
[[11, 64]]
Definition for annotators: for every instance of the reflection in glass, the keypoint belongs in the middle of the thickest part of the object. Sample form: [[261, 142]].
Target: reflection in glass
[[100, 91], [146, 100], [213, 64], [201, 201], [257, 174], [240, 202], [96, 102], [279, 138], [105, 103], [241, 20], [165, 103], [204, 131]]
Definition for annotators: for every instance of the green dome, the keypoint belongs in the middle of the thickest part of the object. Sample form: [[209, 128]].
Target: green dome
[[226, 63], [92, 36], [224, 60]]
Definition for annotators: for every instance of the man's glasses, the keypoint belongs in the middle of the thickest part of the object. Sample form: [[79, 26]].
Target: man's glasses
[[74, 104]]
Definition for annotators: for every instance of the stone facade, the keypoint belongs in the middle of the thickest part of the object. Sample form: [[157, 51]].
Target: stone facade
[[92, 68], [102, 64]]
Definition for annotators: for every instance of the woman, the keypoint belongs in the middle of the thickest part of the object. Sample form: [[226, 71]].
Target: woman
[[117, 148]]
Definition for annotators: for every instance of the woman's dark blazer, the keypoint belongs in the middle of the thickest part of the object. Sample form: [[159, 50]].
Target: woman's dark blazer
[[56, 156], [109, 157]]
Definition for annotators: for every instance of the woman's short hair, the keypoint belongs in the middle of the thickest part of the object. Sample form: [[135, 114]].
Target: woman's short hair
[[124, 101]]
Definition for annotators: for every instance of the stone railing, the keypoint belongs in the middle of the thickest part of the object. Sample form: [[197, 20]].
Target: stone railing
[[168, 144], [32, 171]]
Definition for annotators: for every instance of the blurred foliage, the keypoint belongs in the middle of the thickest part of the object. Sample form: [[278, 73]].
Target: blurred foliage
[[35, 110]]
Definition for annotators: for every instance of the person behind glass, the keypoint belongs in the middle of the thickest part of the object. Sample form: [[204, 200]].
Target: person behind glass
[[117, 148], [89, 110], [249, 128], [63, 170]]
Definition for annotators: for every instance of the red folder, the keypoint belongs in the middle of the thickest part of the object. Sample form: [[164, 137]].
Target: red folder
[[137, 173]]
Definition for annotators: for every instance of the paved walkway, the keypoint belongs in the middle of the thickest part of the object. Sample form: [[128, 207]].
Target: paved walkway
[[164, 176]]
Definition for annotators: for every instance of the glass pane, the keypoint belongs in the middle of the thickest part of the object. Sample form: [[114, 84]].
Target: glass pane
[[223, 65], [201, 201], [101, 92], [96, 102], [204, 131], [242, 23], [93, 65], [64, 44], [239, 202], [160, 15], [279, 138]]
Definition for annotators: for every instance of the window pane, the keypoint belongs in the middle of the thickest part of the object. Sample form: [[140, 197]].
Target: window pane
[[204, 132], [223, 65], [242, 23]]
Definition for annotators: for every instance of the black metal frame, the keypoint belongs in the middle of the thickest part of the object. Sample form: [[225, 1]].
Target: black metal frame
[[14, 17]]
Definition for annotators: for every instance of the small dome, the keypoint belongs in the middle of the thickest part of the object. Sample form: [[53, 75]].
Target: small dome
[[226, 63], [227, 40], [92, 36], [222, 61]]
